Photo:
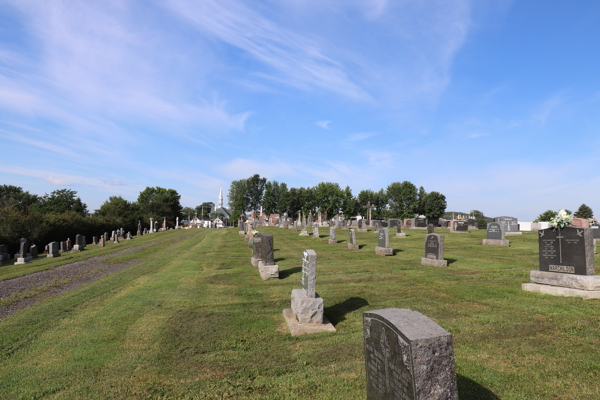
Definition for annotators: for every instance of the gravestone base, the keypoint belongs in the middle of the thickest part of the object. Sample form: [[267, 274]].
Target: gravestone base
[[307, 310], [459, 231], [297, 329], [77, 248], [254, 261], [430, 262], [401, 235], [496, 242], [304, 233], [579, 282], [384, 251], [352, 246], [241, 233], [419, 227], [268, 271], [246, 238], [363, 230], [25, 260], [50, 255], [512, 233], [560, 291], [332, 241]]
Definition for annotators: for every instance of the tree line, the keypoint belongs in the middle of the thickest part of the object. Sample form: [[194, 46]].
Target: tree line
[[398, 200], [61, 214]]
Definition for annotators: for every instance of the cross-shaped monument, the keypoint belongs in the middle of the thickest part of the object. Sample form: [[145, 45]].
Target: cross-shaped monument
[[368, 207]]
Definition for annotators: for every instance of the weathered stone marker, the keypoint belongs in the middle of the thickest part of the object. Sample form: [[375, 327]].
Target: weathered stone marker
[[567, 264], [315, 230], [352, 239], [22, 257], [495, 235], [53, 250], [461, 227], [266, 265], [400, 229], [304, 231], [332, 236], [255, 251], [420, 223], [79, 246], [430, 228], [434, 251], [407, 357], [306, 314], [510, 225], [383, 248], [33, 252]]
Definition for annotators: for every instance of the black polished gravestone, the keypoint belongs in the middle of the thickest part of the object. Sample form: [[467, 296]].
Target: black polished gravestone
[[462, 226], [434, 251], [266, 249], [595, 231], [495, 235], [510, 225], [568, 250], [420, 222], [408, 357], [393, 222], [567, 264]]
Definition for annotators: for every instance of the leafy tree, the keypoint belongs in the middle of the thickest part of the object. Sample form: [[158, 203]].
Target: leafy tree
[[255, 188], [16, 197], [203, 210], [480, 219], [309, 200], [188, 212], [364, 197], [116, 207], [237, 198], [434, 205], [584, 212], [271, 197], [546, 216], [294, 201], [157, 203], [61, 200], [380, 201], [329, 198], [421, 200], [349, 203], [402, 199], [284, 199]]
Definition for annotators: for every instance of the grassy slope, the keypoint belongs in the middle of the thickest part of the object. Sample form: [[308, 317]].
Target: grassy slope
[[194, 320]]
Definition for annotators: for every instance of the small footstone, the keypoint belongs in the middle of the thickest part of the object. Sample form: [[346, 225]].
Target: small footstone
[[401, 235], [332, 241], [496, 242]]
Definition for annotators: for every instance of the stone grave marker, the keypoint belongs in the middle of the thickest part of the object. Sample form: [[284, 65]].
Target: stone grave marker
[[255, 251], [461, 227], [266, 266], [79, 246], [352, 239], [22, 256], [94, 239], [315, 231], [307, 312], [430, 228], [63, 246], [400, 229], [567, 264], [407, 357], [420, 222], [128, 236], [69, 244], [53, 250], [46, 251], [495, 235], [383, 248], [434, 251], [393, 222], [33, 251], [332, 235], [510, 225]]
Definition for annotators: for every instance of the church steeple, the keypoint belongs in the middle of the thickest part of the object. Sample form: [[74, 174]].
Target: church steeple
[[220, 203]]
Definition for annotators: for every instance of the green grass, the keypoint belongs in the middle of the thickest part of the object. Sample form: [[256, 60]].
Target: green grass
[[193, 320]]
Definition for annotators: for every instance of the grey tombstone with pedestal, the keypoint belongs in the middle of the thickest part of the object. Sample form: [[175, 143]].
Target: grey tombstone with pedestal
[[567, 264], [33, 251], [304, 231], [23, 257], [434, 251], [510, 225], [94, 240], [266, 266], [315, 230], [430, 228], [461, 227], [307, 312], [4, 257], [382, 248], [255, 250], [332, 235], [495, 235], [407, 357], [400, 229], [53, 250], [79, 246], [352, 239], [420, 223]]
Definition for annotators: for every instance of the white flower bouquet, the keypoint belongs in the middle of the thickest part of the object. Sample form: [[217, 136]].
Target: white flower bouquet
[[561, 220]]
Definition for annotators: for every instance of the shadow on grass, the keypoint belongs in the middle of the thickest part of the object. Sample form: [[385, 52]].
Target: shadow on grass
[[468, 389], [279, 259], [290, 271], [396, 251], [360, 246], [337, 313], [451, 260]]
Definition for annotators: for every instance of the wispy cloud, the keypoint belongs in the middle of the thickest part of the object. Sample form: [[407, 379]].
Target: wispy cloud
[[360, 136], [323, 124], [548, 107], [478, 135]]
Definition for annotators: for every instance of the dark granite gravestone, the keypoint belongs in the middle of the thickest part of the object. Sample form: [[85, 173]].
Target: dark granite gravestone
[[266, 249], [383, 238], [494, 231], [430, 228], [462, 226], [567, 251], [407, 357], [256, 241], [420, 222], [352, 239], [33, 251], [509, 224], [332, 235], [53, 250], [472, 223], [434, 251], [393, 222], [595, 231]]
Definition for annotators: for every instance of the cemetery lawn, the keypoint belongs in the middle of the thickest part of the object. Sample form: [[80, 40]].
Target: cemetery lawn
[[193, 320]]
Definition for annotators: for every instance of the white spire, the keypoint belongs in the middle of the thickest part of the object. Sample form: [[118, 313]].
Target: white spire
[[220, 203]]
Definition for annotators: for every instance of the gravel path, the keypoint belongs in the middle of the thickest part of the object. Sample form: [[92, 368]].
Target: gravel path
[[52, 282]]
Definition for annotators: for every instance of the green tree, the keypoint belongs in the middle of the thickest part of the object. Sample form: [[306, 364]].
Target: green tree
[[61, 200], [284, 200], [271, 197], [157, 203], [116, 207], [349, 203], [546, 216], [329, 198], [204, 209], [380, 202], [188, 212], [584, 212], [421, 200], [15, 196], [294, 202], [402, 199], [434, 205], [364, 197], [237, 198], [479, 219], [255, 188]]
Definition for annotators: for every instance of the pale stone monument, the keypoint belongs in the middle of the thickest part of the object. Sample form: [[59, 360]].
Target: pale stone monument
[[332, 236], [352, 239], [383, 248], [53, 250]]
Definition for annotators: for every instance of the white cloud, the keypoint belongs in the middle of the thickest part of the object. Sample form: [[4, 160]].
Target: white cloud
[[323, 124], [57, 181], [361, 136], [478, 135]]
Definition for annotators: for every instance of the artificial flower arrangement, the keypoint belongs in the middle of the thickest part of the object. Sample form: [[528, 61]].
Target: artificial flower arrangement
[[592, 221], [254, 232], [561, 220]]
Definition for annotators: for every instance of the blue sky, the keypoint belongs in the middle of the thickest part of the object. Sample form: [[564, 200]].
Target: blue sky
[[493, 103]]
